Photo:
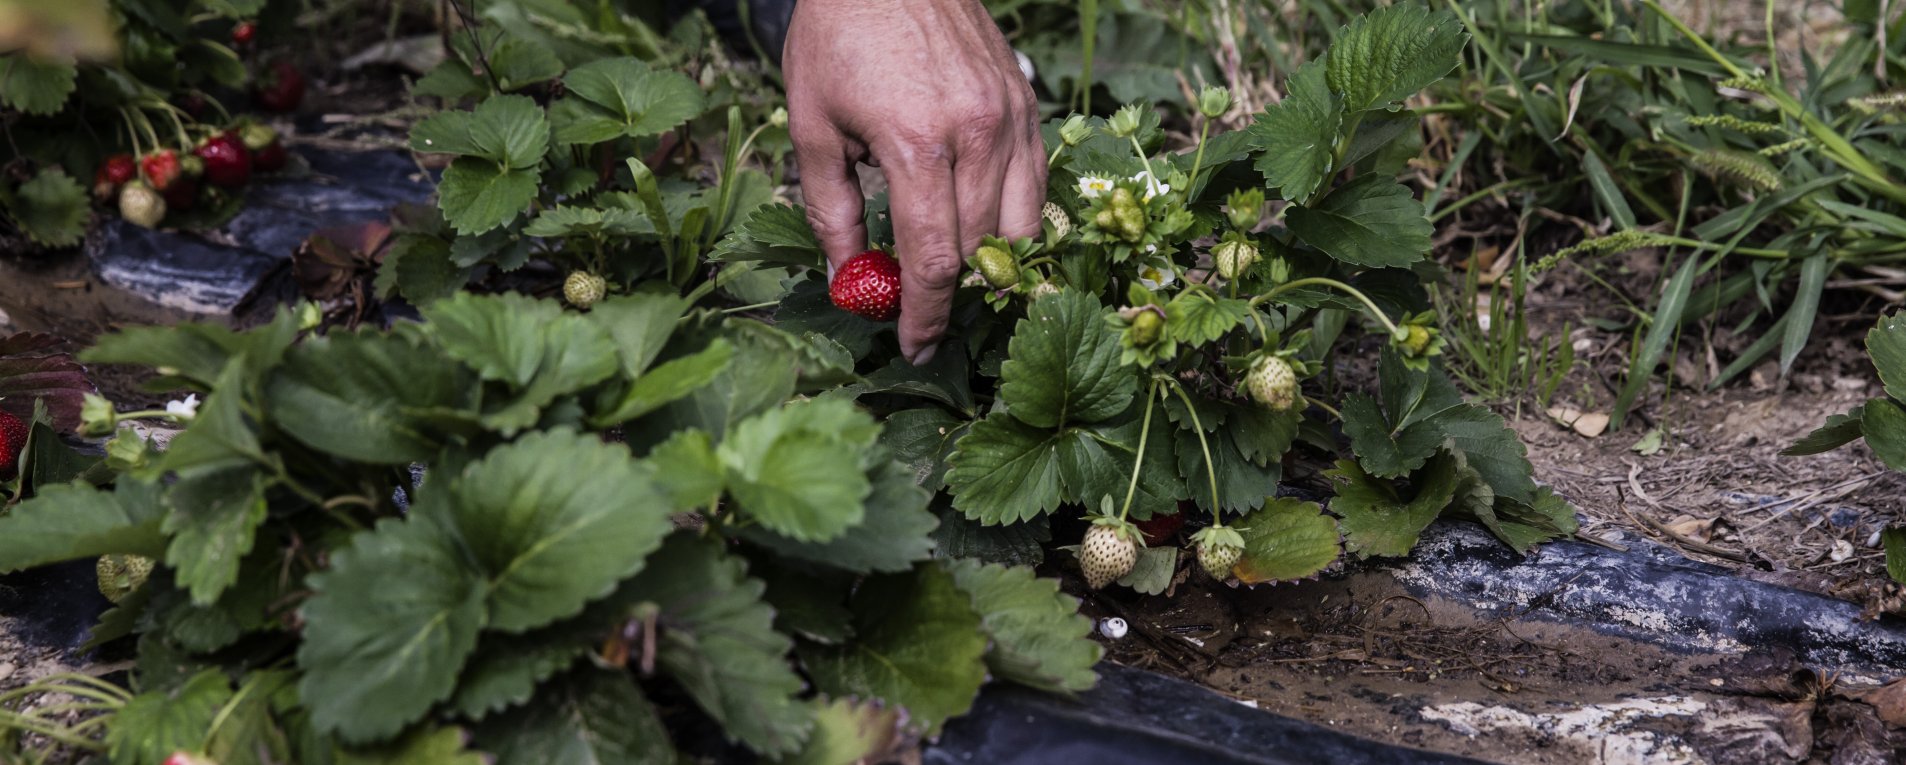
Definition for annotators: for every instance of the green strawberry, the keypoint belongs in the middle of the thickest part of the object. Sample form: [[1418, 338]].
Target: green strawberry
[[1273, 383], [1234, 258], [582, 289], [1147, 326], [1219, 549], [999, 267]]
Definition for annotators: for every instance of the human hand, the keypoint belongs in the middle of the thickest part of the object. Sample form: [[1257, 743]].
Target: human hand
[[928, 91]]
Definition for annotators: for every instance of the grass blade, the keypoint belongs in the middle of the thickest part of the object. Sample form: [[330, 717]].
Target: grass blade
[[1806, 304], [1607, 192], [1666, 322]]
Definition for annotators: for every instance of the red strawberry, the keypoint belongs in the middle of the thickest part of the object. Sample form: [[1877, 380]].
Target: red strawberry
[[270, 159], [188, 758], [113, 173], [12, 440], [1159, 528], [227, 164], [161, 168], [868, 286], [182, 194], [281, 88], [244, 33]]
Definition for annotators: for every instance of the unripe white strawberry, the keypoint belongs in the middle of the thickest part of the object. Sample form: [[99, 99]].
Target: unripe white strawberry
[[1057, 219], [1234, 258], [140, 205], [582, 289], [1273, 383], [1217, 560], [1108, 553], [1043, 289]]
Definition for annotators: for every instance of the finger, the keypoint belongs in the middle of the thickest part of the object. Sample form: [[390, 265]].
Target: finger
[[831, 188], [979, 171], [926, 227], [1022, 201]]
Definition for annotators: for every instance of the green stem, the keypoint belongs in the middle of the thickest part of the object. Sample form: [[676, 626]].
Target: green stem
[[1155, 180], [1151, 397], [1333, 284], [1055, 155], [756, 306], [1197, 163], [1211, 470]]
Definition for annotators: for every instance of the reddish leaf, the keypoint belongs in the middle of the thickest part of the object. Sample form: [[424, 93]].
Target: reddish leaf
[[35, 366]]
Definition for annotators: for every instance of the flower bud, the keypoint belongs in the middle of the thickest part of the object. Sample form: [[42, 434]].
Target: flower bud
[[1075, 130], [779, 117], [1214, 101], [1124, 122], [1244, 207], [97, 416]]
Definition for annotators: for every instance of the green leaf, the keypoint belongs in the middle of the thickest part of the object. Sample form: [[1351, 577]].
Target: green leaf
[[801, 470], [892, 536], [1261, 435], [506, 669], [1241, 483], [564, 221], [1039, 637], [477, 194], [1288, 539], [637, 100], [670, 382], [1371, 221], [688, 470], [247, 734], [50, 209], [640, 325], [760, 376], [1607, 191], [946, 379], [69, 522], [1063, 364], [34, 86], [368, 397], [1018, 544], [1839, 430], [153, 725], [518, 62], [551, 521], [1886, 343], [1375, 521], [242, 608], [1380, 448], [774, 234], [534, 345], [1893, 539], [1664, 326], [923, 439], [1139, 58], [807, 308], [220, 434], [721, 644], [1199, 317], [1153, 573], [451, 80], [1298, 135], [1806, 304], [593, 716], [1005, 471], [849, 730], [213, 514], [388, 630], [919, 645], [1523, 525], [419, 267], [1387, 56], [1884, 422]]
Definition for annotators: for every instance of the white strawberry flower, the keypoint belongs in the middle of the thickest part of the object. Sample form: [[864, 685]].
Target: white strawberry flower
[[1091, 186], [184, 410], [1152, 185], [1156, 273]]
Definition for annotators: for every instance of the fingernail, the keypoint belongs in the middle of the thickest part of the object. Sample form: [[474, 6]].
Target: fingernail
[[924, 356], [830, 271]]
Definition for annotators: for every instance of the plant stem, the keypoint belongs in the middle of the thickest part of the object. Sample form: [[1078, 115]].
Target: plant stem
[[739, 309], [1210, 468], [1334, 284], [1152, 177], [1131, 489], [1197, 163]]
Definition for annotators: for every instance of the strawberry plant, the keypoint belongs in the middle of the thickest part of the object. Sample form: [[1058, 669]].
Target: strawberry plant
[[1160, 342], [1881, 422]]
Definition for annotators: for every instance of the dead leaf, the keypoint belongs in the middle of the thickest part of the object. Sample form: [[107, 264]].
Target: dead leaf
[[1592, 424], [1697, 529], [1888, 700]]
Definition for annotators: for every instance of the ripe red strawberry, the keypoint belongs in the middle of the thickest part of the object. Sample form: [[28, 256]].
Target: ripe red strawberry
[[244, 33], [227, 163], [868, 286], [1159, 528], [188, 758], [12, 440], [140, 205], [112, 174], [182, 195], [280, 89], [267, 152], [161, 168]]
